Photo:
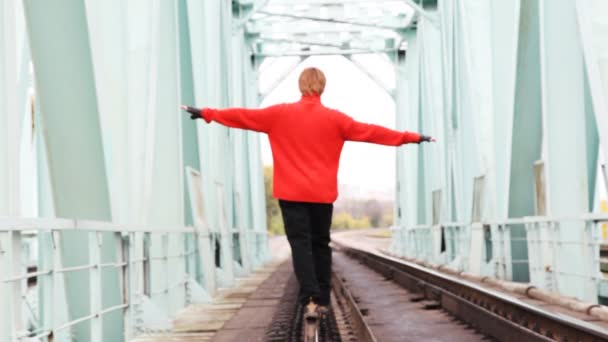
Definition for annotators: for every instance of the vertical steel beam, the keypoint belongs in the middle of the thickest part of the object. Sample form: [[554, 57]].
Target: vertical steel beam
[[59, 300], [256, 176], [61, 54], [565, 150], [6, 314], [592, 141], [106, 22], [407, 118], [10, 116], [401, 103], [11, 292], [432, 122], [476, 123], [95, 285], [210, 32], [166, 192], [47, 286], [431, 109], [593, 29], [504, 30], [527, 132], [190, 154], [466, 151], [447, 16], [247, 165]]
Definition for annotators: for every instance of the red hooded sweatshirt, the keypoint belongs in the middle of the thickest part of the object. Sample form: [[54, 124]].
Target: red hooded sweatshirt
[[306, 140]]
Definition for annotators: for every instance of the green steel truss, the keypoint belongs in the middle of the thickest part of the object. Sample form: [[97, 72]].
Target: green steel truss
[[516, 92], [95, 104]]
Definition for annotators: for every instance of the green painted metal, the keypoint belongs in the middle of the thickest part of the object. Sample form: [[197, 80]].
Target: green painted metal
[[108, 28], [407, 118], [190, 153], [563, 104], [241, 197], [526, 132], [480, 76], [286, 27], [505, 33], [166, 187], [204, 19], [503, 104], [48, 248], [189, 142], [59, 41], [6, 312], [593, 28], [100, 72], [592, 144], [10, 116]]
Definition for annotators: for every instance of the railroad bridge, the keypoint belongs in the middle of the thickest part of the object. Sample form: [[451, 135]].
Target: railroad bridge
[[121, 219]]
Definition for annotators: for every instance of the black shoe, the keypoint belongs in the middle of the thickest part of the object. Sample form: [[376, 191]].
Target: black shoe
[[310, 311]]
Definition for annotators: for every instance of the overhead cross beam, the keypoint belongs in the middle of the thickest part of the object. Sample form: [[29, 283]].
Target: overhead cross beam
[[298, 27], [329, 20], [323, 52], [300, 41]]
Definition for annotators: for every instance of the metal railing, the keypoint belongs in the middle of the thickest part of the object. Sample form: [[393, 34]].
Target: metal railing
[[530, 249], [164, 267]]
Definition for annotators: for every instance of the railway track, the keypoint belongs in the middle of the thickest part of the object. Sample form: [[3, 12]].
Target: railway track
[[496, 315], [343, 321], [368, 287]]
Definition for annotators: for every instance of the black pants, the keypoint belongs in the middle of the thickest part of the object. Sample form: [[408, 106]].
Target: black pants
[[307, 228]]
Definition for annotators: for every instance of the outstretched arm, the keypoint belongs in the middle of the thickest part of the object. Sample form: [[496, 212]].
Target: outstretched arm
[[260, 120], [358, 131]]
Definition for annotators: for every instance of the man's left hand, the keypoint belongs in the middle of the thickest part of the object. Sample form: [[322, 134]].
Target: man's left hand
[[426, 138]]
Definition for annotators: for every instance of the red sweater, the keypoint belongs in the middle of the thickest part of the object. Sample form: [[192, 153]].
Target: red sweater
[[306, 140]]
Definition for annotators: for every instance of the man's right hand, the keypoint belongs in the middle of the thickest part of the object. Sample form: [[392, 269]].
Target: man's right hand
[[195, 113]]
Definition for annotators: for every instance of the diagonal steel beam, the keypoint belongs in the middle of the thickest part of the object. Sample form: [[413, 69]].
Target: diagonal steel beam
[[422, 12]]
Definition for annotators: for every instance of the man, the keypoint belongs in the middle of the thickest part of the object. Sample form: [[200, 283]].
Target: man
[[306, 140]]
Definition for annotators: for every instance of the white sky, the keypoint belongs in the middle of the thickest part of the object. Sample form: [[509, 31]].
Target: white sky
[[366, 166]]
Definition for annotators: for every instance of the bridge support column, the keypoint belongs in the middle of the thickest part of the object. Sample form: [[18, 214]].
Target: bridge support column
[[525, 145], [11, 314], [411, 209], [61, 54], [565, 146]]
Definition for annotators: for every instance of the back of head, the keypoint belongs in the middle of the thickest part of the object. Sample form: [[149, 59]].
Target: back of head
[[312, 81]]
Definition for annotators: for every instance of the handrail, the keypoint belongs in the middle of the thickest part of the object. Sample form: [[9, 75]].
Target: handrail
[[133, 261], [38, 224], [486, 248], [594, 217]]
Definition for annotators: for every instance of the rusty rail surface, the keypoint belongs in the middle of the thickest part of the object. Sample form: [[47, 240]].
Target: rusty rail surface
[[350, 320]]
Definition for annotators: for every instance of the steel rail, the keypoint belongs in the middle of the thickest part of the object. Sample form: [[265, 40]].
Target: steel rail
[[360, 328]]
